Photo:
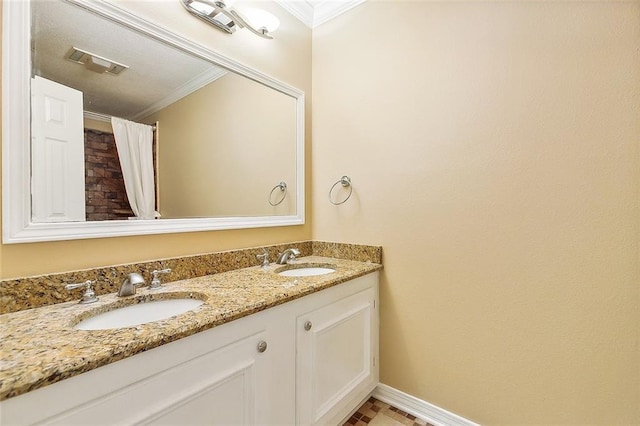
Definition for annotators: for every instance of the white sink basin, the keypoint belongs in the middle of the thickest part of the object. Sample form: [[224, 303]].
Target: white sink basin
[[306, 272], [140, 313]]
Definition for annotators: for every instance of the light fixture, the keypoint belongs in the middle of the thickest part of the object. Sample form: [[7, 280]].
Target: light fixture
[[264, 21], [95, 62], [222, 16]]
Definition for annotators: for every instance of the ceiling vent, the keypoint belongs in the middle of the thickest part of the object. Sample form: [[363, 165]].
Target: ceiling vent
[[95, 62]]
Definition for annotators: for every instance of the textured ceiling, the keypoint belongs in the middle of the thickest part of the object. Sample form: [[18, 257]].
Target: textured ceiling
[[155, 70]]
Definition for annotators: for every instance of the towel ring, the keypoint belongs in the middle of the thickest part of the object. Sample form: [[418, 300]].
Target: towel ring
[[283, 187], [344, 181]]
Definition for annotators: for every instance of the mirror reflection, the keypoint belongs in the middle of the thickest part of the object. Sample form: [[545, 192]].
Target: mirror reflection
[[195, 140]]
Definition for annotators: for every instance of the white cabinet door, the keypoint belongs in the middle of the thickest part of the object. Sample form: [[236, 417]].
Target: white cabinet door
[[57, 172], [216, 377], [221, 387], [336, 347], [224, 389]]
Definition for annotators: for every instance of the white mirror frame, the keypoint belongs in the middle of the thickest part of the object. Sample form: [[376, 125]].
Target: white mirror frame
[[16, 137]]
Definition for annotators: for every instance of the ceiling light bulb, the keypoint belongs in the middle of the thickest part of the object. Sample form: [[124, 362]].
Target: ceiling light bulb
[[261, 20]]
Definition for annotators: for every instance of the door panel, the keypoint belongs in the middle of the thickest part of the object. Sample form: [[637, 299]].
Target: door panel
[[57, 175], [334, 356], [217, 388]]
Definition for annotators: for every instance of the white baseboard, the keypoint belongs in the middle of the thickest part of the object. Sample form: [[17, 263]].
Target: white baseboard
[[419, 408]]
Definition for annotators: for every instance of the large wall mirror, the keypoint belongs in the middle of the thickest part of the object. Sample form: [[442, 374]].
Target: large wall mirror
[[114, 126]]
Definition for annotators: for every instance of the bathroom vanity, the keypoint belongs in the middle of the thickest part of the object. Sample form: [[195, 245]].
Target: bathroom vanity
[[262, 349]]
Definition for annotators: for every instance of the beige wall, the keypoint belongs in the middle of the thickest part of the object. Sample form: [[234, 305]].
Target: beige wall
[[494, 151], [287, 58], [223, 148]]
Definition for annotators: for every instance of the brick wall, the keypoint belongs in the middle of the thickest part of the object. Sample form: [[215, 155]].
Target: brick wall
[[105, 195]]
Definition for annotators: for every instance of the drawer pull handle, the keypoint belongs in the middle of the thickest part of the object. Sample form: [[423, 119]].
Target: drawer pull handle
[[308, 325], [262, 346]]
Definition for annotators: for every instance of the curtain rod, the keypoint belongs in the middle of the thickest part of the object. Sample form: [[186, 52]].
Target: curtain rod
[[105, 118]]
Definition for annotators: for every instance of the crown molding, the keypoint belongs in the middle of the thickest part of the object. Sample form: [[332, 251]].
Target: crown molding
[[311, 15], [96, 116], [199, 81], [300, 9], [328, 10], [208, 76]]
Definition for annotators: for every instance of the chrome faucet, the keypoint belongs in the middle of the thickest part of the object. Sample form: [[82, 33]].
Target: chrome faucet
[[128, 286], [287, 255]]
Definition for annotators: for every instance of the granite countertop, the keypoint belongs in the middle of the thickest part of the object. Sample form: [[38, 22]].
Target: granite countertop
[[40, 346]]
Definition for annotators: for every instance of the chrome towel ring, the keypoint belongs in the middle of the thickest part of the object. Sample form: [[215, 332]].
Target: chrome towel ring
[[283, 187], [345, 182]]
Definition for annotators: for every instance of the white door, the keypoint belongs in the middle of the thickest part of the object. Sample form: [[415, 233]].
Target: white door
[[57, 153], [335, 349]]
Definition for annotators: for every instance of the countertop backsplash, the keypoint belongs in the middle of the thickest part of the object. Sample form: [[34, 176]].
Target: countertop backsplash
[[32, 292]]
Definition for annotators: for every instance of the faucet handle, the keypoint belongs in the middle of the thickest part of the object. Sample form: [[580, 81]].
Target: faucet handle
[[155, 282], [264, 257], [89, 295]]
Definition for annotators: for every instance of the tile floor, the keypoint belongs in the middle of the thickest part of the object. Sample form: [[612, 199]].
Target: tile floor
[[377, 413]]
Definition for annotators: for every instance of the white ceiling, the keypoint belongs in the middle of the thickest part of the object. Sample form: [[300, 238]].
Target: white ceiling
[[316, 12]]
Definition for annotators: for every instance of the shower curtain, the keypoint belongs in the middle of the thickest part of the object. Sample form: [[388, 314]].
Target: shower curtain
[[135, 150]]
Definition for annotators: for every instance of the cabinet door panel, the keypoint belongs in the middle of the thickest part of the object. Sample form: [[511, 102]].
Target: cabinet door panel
[[335, 356], [228, 401], [215, 388], [342, 355]]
